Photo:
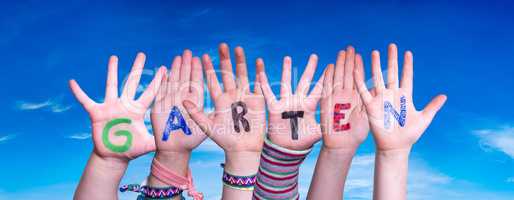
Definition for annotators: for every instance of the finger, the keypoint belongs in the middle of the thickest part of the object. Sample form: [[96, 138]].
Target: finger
[[285, 83], [339, 71], [80, 94], [212, 80], [227, 75], [198, 116], [257, 89], [359, 65], [392, 67], [407, 74], [163, 89], [318, 88], [185, 70], [111, 87], [129, 91], [176, 64], [328, 80], [241, 70], [359, 81], [348, 68], [376, 71], [149, 94], [196, 76], [266, 89], [433, 107], [174, 76], [305, 81], [315, 94]]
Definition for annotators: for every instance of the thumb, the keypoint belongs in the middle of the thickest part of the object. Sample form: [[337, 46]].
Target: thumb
[[433, 107], [198, 116], [80, 95]]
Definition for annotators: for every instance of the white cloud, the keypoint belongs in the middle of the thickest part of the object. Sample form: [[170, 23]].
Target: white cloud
[[53, 105], [423, 182], [501, 139], [80, 136], [57, 108], [33, 105], [6, 138]]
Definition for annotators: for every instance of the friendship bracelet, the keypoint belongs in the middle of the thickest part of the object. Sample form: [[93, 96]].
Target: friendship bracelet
[[277, 177], [149, 193], [168, 177], [238, 182]]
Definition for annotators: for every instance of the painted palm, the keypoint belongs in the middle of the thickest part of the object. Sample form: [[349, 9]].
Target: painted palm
[[118, 123], [394, 121]]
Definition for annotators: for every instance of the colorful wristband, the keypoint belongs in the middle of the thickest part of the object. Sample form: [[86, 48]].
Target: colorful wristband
[[148, 192], [163, 174], [238, 182], [277, 177]]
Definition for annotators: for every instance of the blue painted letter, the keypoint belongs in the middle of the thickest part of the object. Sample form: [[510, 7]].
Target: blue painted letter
[[175, 121], [389, 110]]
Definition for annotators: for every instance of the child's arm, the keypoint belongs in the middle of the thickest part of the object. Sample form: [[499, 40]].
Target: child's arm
[[238, 123], [119, 133], [345, 127], [176, 134], [101, 178], [395, 123], [292, 131]]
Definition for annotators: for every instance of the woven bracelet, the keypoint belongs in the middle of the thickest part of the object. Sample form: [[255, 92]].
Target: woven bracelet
[[238, 182], [152, 192]]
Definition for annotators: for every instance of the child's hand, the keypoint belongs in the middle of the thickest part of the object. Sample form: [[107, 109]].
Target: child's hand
[[394, 121], [177, 132], [118, 123], [343, 115], [238, 123], [292, 123]]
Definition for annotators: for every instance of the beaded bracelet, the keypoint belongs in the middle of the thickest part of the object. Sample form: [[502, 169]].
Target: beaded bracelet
[[238, 182], [149, 193]]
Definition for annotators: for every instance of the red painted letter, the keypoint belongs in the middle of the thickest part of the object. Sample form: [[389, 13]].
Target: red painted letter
[[339, 115]]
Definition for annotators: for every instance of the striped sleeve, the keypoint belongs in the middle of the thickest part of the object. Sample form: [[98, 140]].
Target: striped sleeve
[[277, 177]]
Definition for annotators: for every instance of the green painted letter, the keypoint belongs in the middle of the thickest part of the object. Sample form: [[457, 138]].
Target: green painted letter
[[127, 134]]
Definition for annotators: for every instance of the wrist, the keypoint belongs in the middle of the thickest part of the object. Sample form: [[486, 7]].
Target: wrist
[[242, 163], [338, 153], [393, 155], [178, 162], [393, 152], [109, 164]]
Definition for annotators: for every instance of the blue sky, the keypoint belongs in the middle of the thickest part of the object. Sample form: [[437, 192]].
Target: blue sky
[[462, 49]]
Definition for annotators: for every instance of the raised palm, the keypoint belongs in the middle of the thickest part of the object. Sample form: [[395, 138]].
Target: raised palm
[[394, 121], [280, 127], [221, 127], [118, 123], [185, 82], [343, 115]]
